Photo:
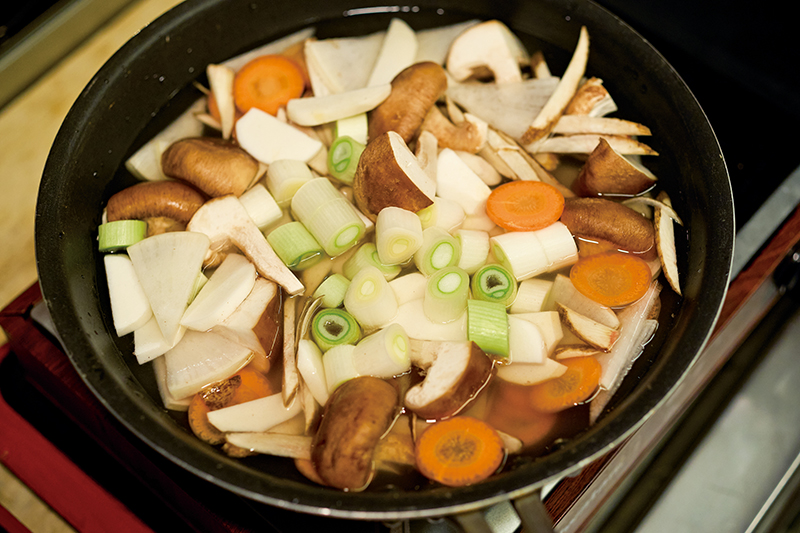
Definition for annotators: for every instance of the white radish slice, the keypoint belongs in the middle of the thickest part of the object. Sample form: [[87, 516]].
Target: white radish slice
[[456, 181], [149, 343], [526, 341], [398, 51], [167, 266], [255, 415], [317, 110], [225, 290], [409, 287], [130, 308], [411, 316], [312, 369], [202, 358], [531, 296], [169, 401], [268, 139], [550, 325]]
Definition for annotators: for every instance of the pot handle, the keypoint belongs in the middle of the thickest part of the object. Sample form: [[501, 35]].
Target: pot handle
[[530, 512]]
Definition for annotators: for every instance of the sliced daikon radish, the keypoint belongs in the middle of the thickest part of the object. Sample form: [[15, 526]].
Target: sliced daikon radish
[[398, 51], [149, 342], [564, 292], [531, 373], [292, 446], [268, 139], [130, 308], [411, 316], [531, 296], [409, 287], [444, 213], [167, 266], [433, 43], [316, 110], [202, 358], [225, 290], [456, 181], [255, 415], [261, 206], [169, 401], [238, 326], [342, 64], [339, 366], [145, 163], [525, 341], [549, 323], [312, 369]]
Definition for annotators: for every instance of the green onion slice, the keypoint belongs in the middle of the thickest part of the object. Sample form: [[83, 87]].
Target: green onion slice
[[343, 157], [487, 326], [332, 290], [367, 255], [295, 245], [439, 250], [446, 295], [494, 283], [118, 235]]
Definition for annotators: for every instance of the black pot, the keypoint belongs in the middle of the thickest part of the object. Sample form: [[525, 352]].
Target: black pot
[[149, 81]]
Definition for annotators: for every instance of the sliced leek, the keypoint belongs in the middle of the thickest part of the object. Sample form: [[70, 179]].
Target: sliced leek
[[356, 127], [559, 246], [312, 196], [343, 157], [439, 250], [332, 327], [367, 255], [446, 295], [338, 365], [487, 326], [120, 234], [409, 287], [311, 367], [370, 299], [384, 354], [296, 247], [474, 249], [332, 290], [398, 235], [285, 177], [443, 213], [521, 253], [261, 206], [494, 283]]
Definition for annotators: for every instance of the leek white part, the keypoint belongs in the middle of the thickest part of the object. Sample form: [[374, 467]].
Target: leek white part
[[439, 250], [456, 181], [317, 110], [256, 415], [494, 283], [449, 214], [261, 206], [370, 299], [411, 316], [559, 246], [474, 249], [332, 290], [169, 401], [201, 358], [520, 252], [409, 287], [149, 342], [268, 139], [446, 295], [339, 366], [479, 222], [285, 177], [384, 354], [487, 324], [330, 218], [130, 308], [398, 235], [531, 296], [550, 325], [295, 245], [525, 342], [167, 266], [367, 255], [355, 127], [531, 373], [225, 290], [309, 363]]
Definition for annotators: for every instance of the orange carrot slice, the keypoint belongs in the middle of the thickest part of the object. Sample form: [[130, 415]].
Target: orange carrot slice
[[576, 385], [459, 451], [614, 279], [510, 412], [267, 83], [525, 205]]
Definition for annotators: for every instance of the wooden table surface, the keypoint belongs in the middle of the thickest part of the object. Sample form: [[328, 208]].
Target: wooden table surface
[[28, 126]]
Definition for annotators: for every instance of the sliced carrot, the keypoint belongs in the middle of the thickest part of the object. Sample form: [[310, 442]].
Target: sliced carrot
[[614, 279], [510, 412], [459, 451], [576, 385], [525, 205], [267, 83]]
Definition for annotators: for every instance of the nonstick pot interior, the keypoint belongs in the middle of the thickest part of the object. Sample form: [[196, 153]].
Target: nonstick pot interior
[[149, 82]]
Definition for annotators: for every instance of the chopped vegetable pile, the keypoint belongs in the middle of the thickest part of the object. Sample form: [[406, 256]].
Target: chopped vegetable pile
[[354, 253]]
